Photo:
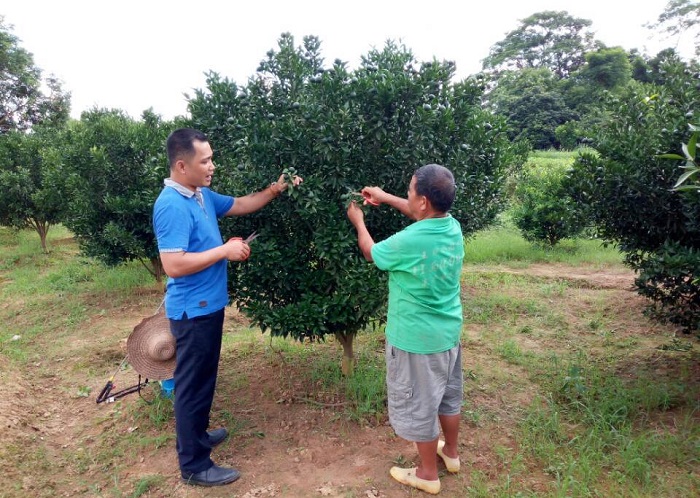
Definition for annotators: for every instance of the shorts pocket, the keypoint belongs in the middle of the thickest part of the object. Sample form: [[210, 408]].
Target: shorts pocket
[[400, 401]]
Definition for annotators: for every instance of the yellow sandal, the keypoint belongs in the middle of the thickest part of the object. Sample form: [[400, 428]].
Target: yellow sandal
[[452, 464], [409, 478]]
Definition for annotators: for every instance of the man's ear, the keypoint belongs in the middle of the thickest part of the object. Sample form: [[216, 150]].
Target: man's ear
[[179, 166], [425, 205]]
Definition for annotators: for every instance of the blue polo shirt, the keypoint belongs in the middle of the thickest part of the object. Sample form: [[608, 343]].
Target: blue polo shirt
[[183, 221]]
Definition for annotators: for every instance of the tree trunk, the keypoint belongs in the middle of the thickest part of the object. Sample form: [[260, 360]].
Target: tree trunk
[[42, 228], [155, 268], [158, 271], [348, 365]]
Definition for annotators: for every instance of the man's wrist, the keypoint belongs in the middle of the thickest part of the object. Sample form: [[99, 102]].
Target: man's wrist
[[275, 189]]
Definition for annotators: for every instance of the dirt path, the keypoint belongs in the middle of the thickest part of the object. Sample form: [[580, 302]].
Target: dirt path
[[622, 279], [607, 278]]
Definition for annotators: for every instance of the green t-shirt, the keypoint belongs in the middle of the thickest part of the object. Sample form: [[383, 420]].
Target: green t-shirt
[[424, 262]]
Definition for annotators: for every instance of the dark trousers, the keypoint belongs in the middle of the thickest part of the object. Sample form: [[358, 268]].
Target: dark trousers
[[198, 349]]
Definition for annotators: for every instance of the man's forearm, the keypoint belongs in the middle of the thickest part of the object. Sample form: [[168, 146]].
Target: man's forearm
[[399, 204], [255, 201], [180, 264], [364, 241]]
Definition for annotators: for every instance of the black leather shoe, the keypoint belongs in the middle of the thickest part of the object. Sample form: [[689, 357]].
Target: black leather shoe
[[213, 476], [217, 436]]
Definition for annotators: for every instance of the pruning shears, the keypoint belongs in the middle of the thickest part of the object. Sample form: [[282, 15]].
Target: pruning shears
[[248, 239], [251, 237], [366, 198]]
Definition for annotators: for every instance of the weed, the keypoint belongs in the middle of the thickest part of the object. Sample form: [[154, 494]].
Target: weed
[[145, 484]]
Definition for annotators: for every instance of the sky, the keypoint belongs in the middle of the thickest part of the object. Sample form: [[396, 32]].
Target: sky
[[138, 54]]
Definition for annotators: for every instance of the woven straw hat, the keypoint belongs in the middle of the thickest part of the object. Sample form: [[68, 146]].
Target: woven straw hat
[[151, 348]]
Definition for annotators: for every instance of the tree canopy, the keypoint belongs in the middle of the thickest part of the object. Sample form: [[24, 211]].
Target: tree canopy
[[533, 102], [341, 130], [23, 102], [680, 18], [551, 39]]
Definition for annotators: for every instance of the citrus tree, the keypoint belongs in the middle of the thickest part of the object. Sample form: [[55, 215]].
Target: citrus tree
[[110, 169], [30, 200], [542, 209], [340, 130], [628, 187]]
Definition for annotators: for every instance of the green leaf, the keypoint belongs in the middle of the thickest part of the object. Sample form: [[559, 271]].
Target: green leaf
[[685, 176], [686, 152], [691, 145], [687, 187], [671, 156]]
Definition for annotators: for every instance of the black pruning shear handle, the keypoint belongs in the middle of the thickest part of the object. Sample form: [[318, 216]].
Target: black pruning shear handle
[[251, 237]]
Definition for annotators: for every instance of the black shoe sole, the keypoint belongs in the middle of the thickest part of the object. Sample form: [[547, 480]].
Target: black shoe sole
[[210, 484]]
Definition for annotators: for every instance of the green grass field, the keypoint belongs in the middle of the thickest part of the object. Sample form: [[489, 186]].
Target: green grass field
[[569, 389]]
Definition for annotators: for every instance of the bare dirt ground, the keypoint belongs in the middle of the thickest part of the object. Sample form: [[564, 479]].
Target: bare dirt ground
[[288, 439]]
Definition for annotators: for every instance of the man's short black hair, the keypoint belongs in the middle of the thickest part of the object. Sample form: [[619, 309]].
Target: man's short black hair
[[180, 143], [437, 183]]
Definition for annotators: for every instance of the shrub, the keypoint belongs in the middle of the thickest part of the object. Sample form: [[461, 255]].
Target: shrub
[[628, 188], [542, 208], [341, 130]]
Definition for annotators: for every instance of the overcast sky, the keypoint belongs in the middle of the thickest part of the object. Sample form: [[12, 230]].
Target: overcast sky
[[136, 54]]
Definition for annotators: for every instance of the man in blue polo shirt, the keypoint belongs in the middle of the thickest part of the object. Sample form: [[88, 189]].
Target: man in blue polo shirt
[[424, 320], [195, 258]]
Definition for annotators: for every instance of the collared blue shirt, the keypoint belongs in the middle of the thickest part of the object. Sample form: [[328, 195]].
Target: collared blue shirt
[[186, 221]]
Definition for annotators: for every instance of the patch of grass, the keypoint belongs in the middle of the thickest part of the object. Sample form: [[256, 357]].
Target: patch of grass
[[367, 389], [495, 307], [503, 243], [510, 351], [153, 408], [146, 483], [594, 421]]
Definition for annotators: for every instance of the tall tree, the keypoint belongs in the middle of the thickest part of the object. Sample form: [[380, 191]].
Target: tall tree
[[341, 130], [607, 68], [680, 17], [23, 103], [533, 102], [550, 39]]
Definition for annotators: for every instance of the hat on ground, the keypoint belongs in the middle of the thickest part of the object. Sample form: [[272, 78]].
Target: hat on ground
[[151, 348]]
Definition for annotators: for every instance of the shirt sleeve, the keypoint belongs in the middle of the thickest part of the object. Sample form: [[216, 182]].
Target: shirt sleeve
[[387, 253], [222, 203], [172, 226]]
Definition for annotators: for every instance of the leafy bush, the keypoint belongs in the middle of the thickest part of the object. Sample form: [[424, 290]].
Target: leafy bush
[[542, 208], [110, 169], [628, 187], [341, 130], [570, 135], [29, 199]]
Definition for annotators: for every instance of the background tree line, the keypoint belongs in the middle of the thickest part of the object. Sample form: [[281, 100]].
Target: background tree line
[[548, 83]]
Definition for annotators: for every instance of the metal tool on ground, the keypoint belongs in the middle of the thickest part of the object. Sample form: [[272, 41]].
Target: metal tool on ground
[[151, 353]]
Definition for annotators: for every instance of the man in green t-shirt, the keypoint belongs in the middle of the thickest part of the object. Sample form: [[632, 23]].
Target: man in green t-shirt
[[424, 319]]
